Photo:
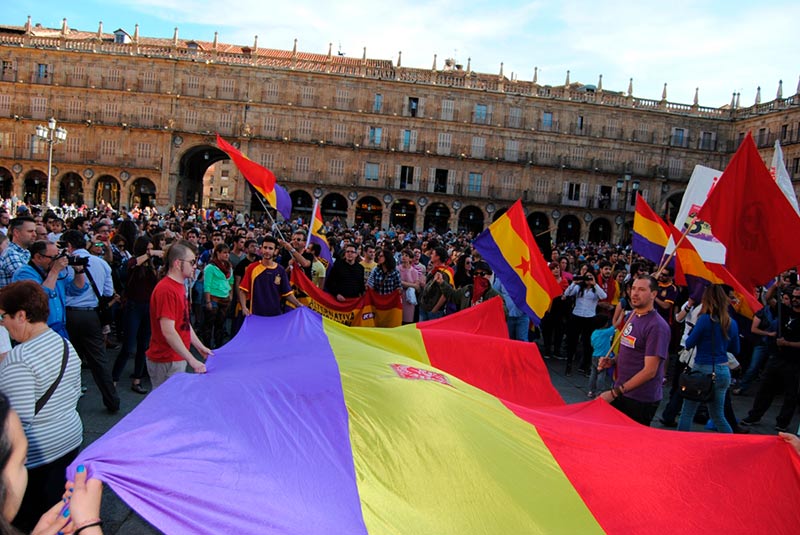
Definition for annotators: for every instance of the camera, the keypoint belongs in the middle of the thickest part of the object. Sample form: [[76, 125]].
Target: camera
[[73, 260]]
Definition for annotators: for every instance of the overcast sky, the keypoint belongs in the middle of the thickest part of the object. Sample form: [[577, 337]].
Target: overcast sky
[[718, 46]]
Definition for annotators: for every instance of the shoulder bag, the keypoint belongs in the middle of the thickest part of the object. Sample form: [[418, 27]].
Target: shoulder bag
[[698, 386]]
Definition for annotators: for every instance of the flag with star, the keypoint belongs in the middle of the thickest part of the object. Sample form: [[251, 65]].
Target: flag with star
[[510, 249]]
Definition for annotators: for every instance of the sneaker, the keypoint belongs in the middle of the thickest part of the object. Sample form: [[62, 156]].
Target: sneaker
[[781, 428], [749, 421]]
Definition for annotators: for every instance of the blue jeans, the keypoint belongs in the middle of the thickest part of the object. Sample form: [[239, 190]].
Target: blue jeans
[[425, 316], [760, 354], [137, 340], [518, 327], [716, 405]]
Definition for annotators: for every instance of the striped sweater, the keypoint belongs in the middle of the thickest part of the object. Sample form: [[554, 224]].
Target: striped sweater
[[25, 375]]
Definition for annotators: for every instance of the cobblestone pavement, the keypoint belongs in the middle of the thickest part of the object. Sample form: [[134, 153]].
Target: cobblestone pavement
[[119, 519]]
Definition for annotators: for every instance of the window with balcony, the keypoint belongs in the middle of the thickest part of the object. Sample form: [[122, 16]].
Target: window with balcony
[[707, 140], [305, 128], [339, 133], [337, 167], [511, 150], [406, 176], [108, 147], [342, 99], [377, 103], [270, 92], [227, 88], [514, 117], [678, 138], [443, 144], [478, 147], [146, 116], [267, 160], [475, 182], [270, 126], [190, 119], [784, 132], [408, 140], [480, 114], [573, 192], [38, 107], [547, 121], [448, 107], [301, 164], [375, 134], [35, 144], [762, 139], [7, 70], [226, 121], [413, 106], [307, 96], [440, 180], [110, 112], [42, 71], [75, 110], [144, 151], [371, 171], [5, 104], [73, 144], [675, 167]]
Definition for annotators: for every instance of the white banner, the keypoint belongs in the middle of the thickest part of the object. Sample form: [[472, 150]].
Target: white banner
[[709, 248], [781, 176]]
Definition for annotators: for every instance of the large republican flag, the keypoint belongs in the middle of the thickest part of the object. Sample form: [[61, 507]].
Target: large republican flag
[[650, 232], [260, 178], [752, 217], [303, 426], [509, 248]]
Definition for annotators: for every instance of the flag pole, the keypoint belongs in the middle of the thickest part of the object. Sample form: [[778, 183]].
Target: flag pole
[[548, 231], [311, 222], [274, 224]]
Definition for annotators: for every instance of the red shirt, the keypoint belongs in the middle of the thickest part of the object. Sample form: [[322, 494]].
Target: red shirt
[[168, 301]]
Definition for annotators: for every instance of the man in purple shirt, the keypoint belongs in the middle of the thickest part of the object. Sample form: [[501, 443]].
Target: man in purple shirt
[[643, 350]]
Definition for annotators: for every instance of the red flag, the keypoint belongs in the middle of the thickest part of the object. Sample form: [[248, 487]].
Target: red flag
[[749, 213]]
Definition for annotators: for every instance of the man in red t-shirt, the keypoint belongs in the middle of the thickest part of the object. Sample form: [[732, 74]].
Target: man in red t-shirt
[[172, 332]]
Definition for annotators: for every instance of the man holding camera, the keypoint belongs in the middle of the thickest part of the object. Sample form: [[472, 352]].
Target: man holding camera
[[46, 267], [83, 316]]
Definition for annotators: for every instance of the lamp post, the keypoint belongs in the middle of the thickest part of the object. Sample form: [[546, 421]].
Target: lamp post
[[52, 135], [628, 184]]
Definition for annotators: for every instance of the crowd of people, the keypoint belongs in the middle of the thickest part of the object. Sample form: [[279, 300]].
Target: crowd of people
[[166, 289]]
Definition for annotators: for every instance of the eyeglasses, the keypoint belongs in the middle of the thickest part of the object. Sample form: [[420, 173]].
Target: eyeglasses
[[51, 257], [193, 261], [480, 273], [98, 244]]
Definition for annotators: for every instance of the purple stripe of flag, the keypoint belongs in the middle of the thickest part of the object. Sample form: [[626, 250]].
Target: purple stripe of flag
[[259, 444]]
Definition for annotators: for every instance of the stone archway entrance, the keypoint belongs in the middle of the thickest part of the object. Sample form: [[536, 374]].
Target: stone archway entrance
[[107, 191], [70, 190], [193, 166], [403, 213], [142, 192]]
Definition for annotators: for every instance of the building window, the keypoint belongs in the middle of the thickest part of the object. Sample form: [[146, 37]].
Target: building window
[[270, 125], [707, 141], [514, 117], [544, 152], [512, 150], [224, 174], [675, 167], [579, 124], [225, 121], [146, 115], [642, 132], [547, 121], [377, 104], [307, 96], [144, 151], [371, 171], [73, 144], [795, 166], [413, 106], [7, 70], [110, 112], [301, 164], [763, 137], [448, 106], [678, 138], [475, 182], [5, 104], [149, 80], [574, 192], [408, 140], [223, 191], [480, 114], [268, 160], [784, 132], [375, 133], [42, 71], [271, 92], [443, 144], [305, 128], [339, 132], [337, 167], [640, 162], [478, 147], [35, 144], [440, 181], [342, 99], [108, 147], [227, 88], [114, 76], [190, 118], [38, 107], [406, 176], [612, 128]]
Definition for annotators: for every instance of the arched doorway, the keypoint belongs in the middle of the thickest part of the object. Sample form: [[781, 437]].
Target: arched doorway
[[627, 229], [471, 219], [334, 209], [142, 192], [437, 217], [35, 187], [302, 202], [569, 229], [369, 210], [600, 230], [498, 213], [70, 190], [672, 207], [107, 191], [6, 183], [193, 166], [403, 214], [540, 228]]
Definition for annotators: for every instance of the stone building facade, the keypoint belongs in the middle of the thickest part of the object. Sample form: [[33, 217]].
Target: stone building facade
[[373, 140]]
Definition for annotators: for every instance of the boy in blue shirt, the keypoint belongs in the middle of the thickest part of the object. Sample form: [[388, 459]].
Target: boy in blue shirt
[[602, 339]]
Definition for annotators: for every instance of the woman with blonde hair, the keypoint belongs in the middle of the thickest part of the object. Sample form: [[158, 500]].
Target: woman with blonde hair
[[714, 335]]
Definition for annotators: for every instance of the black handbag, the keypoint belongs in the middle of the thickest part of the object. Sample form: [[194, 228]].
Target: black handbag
[[698, 386]]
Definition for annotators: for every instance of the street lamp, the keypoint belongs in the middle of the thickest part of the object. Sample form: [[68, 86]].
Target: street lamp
[[628, 184], [51, 135]]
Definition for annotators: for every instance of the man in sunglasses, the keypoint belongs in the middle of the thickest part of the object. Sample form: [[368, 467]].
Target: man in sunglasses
[[172, 332]]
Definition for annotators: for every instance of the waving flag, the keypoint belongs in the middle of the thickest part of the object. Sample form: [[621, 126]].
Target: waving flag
[[781, 176], [692, 271], [749, 213], [509, 248], [650, 232], [260, 178], [445, 427], [316, 234]]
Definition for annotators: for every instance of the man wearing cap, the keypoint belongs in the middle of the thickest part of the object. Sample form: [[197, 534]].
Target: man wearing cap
[[478, 291]]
